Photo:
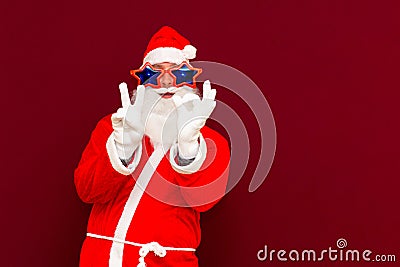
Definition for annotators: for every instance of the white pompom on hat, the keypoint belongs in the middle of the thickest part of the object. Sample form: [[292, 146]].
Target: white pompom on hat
[[167, 45]]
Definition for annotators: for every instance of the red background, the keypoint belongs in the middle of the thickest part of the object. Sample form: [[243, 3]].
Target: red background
[[329, 69]]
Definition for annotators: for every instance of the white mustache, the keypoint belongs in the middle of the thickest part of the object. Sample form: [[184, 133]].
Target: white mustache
[[165, 90], [171, 90]]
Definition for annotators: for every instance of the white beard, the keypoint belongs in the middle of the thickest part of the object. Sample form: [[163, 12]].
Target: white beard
[[160, 125]]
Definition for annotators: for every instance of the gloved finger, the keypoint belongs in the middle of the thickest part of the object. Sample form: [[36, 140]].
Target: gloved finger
[[178, 101], [139, 97], [179, 104], [206, 107], [117, 124], [115, 117], [212, 106], [196, 102], [198, 106], [123, 89], [212, 94], [189, 97], [206, 89], [120, 114]]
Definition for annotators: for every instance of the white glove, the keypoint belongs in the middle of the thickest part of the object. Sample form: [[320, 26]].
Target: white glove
[[127, 122], [190, 121]]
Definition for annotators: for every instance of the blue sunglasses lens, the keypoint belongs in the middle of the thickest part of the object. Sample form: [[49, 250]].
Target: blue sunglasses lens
[[184, 75], [148, 76]]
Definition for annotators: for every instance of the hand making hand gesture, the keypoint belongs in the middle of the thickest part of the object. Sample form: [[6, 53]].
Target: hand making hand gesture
[[127, 122], [190, 121]]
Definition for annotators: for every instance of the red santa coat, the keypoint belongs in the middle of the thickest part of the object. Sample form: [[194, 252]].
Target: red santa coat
[[166, 213]]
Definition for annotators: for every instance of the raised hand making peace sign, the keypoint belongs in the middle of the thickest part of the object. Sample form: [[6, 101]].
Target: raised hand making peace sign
[[127, 122]]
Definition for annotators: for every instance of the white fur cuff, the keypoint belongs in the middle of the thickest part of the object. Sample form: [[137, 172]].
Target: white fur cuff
[[116, 161], [195, 165]]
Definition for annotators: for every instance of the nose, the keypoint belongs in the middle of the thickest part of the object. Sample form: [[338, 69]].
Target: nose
[[166, 80]]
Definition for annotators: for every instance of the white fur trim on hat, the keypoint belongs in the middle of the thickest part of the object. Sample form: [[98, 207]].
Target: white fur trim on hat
[[170, 54]]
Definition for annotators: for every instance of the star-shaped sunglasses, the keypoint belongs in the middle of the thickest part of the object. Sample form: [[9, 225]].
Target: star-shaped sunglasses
[[183, 74]]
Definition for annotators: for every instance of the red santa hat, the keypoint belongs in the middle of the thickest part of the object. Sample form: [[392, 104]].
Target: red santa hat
[[167, 45]]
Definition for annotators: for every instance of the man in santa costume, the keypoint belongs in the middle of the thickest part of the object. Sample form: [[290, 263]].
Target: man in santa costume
[[150, 168]]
